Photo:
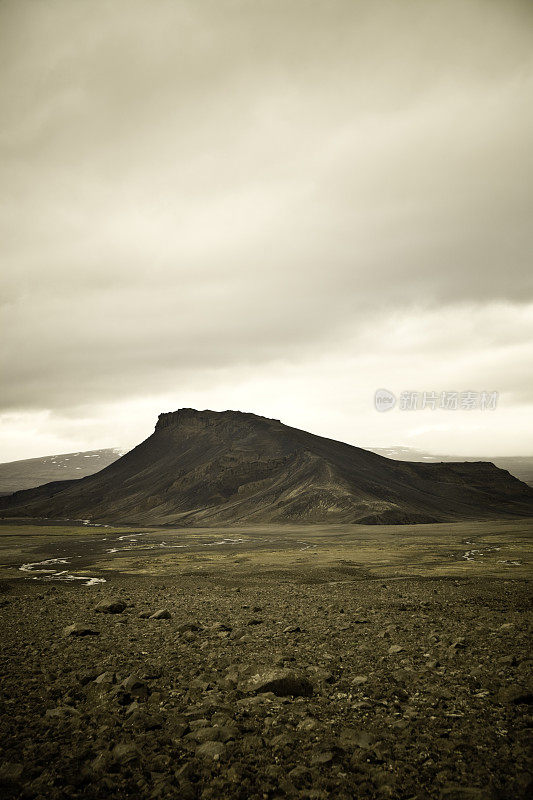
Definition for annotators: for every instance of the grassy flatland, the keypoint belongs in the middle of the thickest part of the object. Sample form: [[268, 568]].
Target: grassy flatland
[[499, 548]]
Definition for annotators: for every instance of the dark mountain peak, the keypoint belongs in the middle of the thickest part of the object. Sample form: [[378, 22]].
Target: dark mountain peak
[[219, 467], [206, 418]]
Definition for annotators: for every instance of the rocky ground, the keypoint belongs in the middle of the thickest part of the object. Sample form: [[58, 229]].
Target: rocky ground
[[414, 687]]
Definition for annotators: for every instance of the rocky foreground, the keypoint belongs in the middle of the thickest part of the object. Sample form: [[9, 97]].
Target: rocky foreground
[[201, 688]]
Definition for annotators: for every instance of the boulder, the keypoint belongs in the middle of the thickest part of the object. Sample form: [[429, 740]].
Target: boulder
[[135, 687], [110, 607], [211, 751], [162, 613], [79, 629], [282, 683]]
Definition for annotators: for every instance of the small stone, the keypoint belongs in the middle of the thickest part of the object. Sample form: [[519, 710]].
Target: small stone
[[282, 683], [61, 712], [79, 629], [135, 687], [516, 695], [325, 757], [211, 750], [238, 633], [350, 738], [450, 792], [105, 677], [162, 613], [125, 753], [10, 773], [215, 733], [459, 643], [147, 722], [187, 627], [110, 607], [227, 732], [87, 676], [300, 776], [308, 724], [217, 627], [395, 648], [202, 735], [195, 724]]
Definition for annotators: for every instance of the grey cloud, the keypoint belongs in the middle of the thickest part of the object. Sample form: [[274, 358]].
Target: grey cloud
[[198, 187]]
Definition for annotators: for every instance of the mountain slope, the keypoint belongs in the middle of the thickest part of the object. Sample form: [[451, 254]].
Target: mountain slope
[[519, 466], [206, 468], [30, 472]]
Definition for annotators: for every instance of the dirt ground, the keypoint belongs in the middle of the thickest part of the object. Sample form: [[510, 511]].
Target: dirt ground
[[307, 662]]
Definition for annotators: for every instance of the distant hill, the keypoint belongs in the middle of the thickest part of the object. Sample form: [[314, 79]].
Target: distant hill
[[210, 468], [16, 475], [519, 466]]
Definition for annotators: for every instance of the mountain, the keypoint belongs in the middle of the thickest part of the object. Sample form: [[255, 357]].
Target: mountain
[[519, 466], [209, 468], [16, 475]]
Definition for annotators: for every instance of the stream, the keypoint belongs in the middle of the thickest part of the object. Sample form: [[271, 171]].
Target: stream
[[61, 568]]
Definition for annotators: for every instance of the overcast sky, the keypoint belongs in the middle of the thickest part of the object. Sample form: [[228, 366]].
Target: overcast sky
[[270, 206]]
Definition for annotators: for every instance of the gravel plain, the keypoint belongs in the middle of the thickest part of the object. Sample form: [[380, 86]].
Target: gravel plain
[[305, 681]]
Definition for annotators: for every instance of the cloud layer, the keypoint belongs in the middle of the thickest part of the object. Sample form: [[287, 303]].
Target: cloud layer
[[200, 198]]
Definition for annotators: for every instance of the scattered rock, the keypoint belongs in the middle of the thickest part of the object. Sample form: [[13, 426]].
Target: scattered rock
[[163, 613], [110, 607], [10, 773], [300, 776], [516, 695], [351, 738], [125, 753], [206, 707], [395, 648], [105, 678], [458, 644], [79, 629], [308, 724], [325, 757], [144, 721], [187, 627], [464, 793], [87, 676], [282, 683], [61, 712], [217, 627], [213, 751], [214, 733], [135, 687]]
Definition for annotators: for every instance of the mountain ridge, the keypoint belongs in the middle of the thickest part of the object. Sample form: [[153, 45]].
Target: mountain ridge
[[29, 473], [233, 467]]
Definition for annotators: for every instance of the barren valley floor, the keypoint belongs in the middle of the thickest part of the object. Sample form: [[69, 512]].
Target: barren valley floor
[[311, 662]]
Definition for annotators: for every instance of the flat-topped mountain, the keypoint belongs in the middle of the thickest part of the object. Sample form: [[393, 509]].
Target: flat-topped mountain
[[207, 468]]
